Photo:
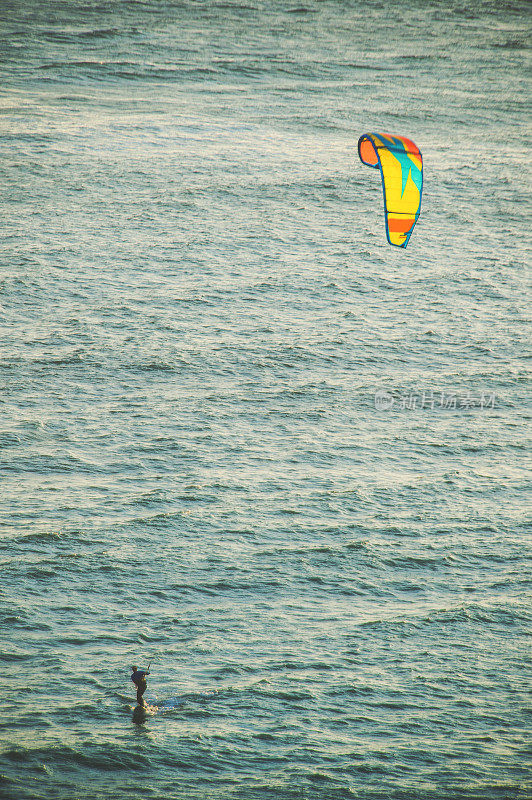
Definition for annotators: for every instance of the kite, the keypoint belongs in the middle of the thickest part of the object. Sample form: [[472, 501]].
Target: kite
[[401, 166]]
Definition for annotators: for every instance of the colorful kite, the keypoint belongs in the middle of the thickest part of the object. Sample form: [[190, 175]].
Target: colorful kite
[[401, 168]]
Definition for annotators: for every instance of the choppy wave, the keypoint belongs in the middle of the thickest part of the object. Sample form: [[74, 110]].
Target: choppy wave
[[198, 309]]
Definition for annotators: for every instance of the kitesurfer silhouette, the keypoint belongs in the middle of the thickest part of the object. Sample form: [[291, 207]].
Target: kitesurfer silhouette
[[139, 679]]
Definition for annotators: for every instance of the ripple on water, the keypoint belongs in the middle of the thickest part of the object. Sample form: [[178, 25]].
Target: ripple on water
[[199, 309]]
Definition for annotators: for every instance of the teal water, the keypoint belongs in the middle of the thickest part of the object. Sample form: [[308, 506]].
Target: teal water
[[198, 310]]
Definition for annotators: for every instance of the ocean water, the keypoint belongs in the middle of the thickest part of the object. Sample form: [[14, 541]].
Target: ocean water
[[241, 436]]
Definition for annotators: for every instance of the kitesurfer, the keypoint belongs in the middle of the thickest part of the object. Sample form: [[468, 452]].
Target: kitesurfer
[[139, 679]]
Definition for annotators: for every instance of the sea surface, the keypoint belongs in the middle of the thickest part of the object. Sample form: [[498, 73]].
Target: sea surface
[[241, 436]]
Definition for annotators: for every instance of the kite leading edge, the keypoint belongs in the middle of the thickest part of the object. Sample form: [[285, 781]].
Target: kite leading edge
[[401, 166]]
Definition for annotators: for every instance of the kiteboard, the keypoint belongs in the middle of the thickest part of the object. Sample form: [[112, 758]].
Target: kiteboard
[[140, 713]]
